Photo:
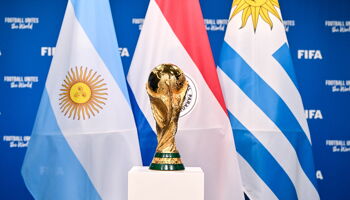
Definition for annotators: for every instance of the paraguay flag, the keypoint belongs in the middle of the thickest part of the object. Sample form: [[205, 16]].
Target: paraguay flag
[[265, 108], [174, 32], [84, 139]]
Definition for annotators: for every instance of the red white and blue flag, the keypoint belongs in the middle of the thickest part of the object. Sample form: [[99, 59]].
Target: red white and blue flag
[[174, 32]]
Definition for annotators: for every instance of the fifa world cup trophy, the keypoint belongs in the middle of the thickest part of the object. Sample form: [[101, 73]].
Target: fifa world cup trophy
[[166, 87]]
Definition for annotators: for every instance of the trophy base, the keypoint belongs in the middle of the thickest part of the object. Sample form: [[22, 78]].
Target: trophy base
[[167, 167], [167, 162]]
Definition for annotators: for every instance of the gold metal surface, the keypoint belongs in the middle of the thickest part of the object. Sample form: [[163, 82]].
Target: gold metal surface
[[166, 87]]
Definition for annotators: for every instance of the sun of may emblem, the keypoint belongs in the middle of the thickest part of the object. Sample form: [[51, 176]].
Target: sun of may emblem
[[83, 93], [256, 8]]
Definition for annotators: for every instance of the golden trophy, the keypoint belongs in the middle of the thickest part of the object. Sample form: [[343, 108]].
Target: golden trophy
[[166, 87]]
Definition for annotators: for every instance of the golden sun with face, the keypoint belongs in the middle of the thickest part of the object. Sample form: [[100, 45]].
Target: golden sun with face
[[256, 8], [83, 93]]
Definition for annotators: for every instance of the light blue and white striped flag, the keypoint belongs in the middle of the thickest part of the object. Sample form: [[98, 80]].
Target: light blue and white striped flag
[[84, 139], [265, 108]]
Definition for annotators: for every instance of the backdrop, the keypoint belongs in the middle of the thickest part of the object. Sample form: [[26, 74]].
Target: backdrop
[[319, 36]]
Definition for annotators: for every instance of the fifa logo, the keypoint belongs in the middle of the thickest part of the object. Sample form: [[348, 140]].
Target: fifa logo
[[313, 114], [124, 52], [309, 54], [48, 51]]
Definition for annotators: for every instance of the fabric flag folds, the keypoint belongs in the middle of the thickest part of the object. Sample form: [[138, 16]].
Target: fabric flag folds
[[84, 139], [265, 108], [174, 32]]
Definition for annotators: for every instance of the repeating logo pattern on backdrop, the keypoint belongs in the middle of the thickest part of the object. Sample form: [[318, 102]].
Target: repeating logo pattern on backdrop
[[318, 35], [83, 93], [21, 22]]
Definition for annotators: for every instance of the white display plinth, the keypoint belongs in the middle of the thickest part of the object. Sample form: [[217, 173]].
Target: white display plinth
[[145, 184]]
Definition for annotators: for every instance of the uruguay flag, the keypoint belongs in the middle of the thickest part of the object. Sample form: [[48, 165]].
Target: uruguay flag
[[265, 108], [84, 139], [174, 32]]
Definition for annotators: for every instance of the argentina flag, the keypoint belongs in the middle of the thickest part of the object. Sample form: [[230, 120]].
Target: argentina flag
[[265, 108], [84, 139]]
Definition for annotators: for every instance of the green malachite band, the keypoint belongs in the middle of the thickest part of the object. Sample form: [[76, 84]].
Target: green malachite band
[[167, 155], [167, 167]]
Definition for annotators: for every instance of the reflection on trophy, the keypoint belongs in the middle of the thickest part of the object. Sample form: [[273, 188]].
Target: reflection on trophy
[[166, 87]]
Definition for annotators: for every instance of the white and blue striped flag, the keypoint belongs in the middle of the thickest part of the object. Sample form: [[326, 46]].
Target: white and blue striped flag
[[265, 108], [84, 139]]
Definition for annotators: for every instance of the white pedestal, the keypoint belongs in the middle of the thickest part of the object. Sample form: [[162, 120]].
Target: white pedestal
[[145, 184]]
